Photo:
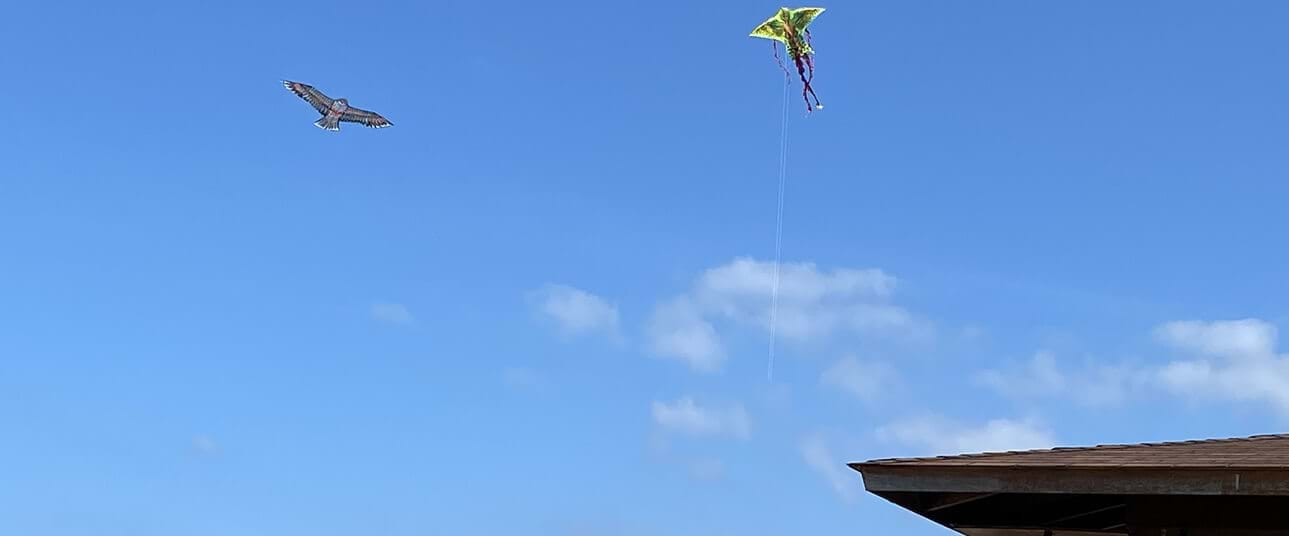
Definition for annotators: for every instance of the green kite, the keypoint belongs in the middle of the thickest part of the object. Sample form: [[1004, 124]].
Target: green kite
[[792, 28]]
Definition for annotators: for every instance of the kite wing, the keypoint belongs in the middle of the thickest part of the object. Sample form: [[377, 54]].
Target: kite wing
[[365, 118], [772, 28], [803, 16], [315, 98]]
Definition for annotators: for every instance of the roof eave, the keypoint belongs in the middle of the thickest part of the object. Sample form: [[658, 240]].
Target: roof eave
[[880, 479]]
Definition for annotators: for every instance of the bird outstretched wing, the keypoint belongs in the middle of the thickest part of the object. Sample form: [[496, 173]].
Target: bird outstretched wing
[[364, 117], [315, 98]]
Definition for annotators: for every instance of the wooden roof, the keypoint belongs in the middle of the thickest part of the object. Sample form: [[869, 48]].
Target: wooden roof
[[1254, 452], [1210, 484]]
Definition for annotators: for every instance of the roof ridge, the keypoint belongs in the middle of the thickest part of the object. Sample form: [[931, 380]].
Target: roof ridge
[[1108, 446]]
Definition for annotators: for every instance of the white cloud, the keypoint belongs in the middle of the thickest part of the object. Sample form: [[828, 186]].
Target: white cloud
[[819, 457], [684, 416], [1249, 338], [205, 446], [866, 381], [1235, 360], [523, 379], [600, 526], [777, 397], [940, 436], [801, 282], [1040, 377], [678, 330], [813, 304], [392, 313], [1094, 384], [1232, 360], [707, 469], [575, 311]]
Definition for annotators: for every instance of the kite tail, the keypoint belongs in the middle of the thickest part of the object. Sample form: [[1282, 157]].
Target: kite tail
[[810, 66], [777, 59], [811, 78], [806, 90], [810, 60], [328, 122]]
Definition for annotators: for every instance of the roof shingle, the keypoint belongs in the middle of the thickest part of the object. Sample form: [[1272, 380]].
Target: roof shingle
[[1255, 452]]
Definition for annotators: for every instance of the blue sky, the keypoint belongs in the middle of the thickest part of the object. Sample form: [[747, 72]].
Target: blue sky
[[536, 304]]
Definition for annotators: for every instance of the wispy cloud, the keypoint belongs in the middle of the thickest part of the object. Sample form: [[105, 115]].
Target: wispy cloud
[[1039, 377], [817, 454], [865, 380], [1091, 384], [813, 304], [599, 526], [574, 311], [392, 313], [940, 436], [1232, 360], [1244, 339], [677, 330], [205, 446], [707, 469], [686, 417], [524, 379]]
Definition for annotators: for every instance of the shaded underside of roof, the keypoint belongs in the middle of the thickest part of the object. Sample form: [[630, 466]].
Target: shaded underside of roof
[[1012, 514]]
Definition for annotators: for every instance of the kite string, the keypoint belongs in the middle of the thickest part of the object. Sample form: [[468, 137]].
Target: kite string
[[778, 227]]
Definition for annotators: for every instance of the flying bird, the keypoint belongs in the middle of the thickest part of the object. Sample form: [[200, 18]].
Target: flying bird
[[334, 111]]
